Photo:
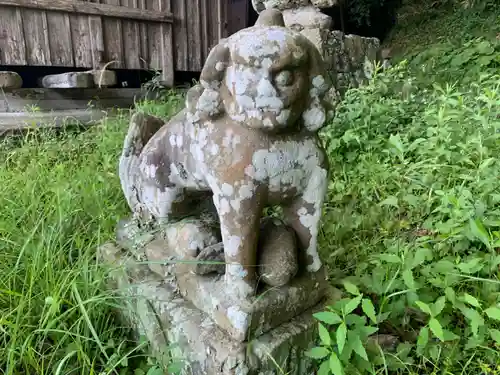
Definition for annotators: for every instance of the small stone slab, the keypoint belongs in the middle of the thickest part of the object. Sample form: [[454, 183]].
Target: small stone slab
[[68, 80], [170, 323], [104, 77], [271, 308], [307, 17], [10, 80]]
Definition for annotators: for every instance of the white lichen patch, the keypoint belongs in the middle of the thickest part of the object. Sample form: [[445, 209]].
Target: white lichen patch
[[239, 319]]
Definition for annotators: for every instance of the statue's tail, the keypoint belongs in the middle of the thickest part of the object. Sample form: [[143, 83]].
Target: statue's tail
[[142, 127]]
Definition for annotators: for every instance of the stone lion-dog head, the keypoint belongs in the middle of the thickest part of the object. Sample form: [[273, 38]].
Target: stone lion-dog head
[[247, 138], [265, 77]]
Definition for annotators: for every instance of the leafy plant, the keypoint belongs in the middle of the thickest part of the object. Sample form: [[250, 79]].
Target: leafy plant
[[412, 219]]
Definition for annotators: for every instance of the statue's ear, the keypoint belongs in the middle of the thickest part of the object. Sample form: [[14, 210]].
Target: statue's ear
[[317, 112], [270, 17], [203, 102]]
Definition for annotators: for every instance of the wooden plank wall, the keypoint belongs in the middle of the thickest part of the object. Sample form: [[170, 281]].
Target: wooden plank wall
[[37, 37], [198, 26]]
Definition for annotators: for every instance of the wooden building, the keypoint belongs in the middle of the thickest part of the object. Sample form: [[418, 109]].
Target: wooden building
[[163, 35]]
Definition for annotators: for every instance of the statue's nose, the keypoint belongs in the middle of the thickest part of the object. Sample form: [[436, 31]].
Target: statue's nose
[[265, 93]]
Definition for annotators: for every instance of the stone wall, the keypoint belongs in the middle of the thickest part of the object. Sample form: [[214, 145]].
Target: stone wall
[[345, 55]]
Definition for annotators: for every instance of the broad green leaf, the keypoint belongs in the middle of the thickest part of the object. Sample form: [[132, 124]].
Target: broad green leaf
[[449, 336], [351, 288], [495, 335], [493, 312], [408, 279], [479, 231], [324, 368], [475, 319], [471, 300], [155, 370], [390, 201], [335, 365], [421, 255], [389, 258], [369, 310], [352, 305], [358, 348], [423, 339], [328, 317], [438, 306], [318, 352], [341, 336], [395, 141], [174, 368], [473, 265], [450, 295], [424, 307], [324, 335], [436, 328], [368, 330]]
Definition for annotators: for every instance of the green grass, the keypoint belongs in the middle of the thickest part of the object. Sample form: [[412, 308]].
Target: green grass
[[60, 199], [411, 223]]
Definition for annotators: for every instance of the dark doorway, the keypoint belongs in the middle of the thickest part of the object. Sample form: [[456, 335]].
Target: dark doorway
[[368, 18], [252, 14]]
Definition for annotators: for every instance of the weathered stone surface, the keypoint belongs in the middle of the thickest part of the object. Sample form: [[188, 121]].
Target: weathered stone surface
[[324, 3], [10, 80], [273, 307], [307, 17], [345, 57], [243, 141], [242, 320], [359, 48], [103, 77], [176, 329], [278, 262], [211, 260], [68, 80], [260, 5], [317, 36]]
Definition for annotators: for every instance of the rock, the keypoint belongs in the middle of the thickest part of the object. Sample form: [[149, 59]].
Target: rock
[[324, 3], [176, 329], [68, 80], [260, 5], [277, 253], [252, 318], [10, 80], [388, 343], [307, 17], [318, 36], [159, 257], [211, 260], [103, 77], [359, 48]]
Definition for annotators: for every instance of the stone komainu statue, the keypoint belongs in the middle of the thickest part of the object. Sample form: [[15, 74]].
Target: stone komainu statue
[[247, 138]]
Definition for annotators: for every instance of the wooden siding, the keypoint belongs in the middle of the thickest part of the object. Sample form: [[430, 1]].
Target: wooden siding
[[162, 35]]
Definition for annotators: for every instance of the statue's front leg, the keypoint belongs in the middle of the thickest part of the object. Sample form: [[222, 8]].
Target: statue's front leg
[[239, 221], [304, 215]]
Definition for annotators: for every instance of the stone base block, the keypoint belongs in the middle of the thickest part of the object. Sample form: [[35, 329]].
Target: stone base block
[[170, 323], [269, 309], [260, 5], [307, 17], [103, 78], [68, 80], [10, 80]]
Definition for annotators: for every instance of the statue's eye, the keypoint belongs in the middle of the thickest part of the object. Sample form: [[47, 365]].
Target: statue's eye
[[284, 78]]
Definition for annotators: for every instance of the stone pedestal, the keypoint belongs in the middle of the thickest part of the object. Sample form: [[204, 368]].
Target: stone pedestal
[[10, 80], [177, 329]]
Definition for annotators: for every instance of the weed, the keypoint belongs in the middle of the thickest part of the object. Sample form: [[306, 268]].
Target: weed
[[60, 199], [411, 230]]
